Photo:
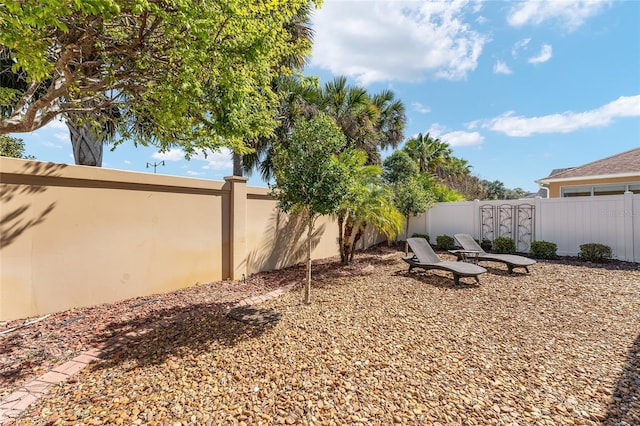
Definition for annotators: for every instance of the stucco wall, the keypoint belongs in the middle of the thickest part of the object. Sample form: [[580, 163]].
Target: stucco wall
[[75, 236], [78, 236]]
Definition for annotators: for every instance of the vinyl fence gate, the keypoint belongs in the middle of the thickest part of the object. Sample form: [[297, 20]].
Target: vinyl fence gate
[[514, 221]]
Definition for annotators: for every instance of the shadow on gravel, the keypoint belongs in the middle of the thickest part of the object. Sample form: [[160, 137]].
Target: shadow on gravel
[[167, 333], [625, 407], [193, 329], [440, 281]]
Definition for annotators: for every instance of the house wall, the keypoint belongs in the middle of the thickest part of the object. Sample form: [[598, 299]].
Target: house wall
[[555, 187], [75, 236], [613, 220]]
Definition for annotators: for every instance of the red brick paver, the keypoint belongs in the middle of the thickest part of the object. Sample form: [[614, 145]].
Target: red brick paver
[[13, 405]]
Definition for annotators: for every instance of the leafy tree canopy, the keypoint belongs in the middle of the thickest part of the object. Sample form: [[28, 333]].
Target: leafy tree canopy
[[13, 147], [180, 72], [309, 177], [399, 166]]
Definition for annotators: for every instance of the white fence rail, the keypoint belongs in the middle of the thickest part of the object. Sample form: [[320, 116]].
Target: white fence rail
[[569, 222]]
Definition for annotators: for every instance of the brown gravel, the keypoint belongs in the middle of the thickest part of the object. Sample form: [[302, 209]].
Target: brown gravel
[[376, 346]]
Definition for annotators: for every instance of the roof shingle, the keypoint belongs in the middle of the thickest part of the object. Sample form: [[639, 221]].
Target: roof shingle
[[625, 162]]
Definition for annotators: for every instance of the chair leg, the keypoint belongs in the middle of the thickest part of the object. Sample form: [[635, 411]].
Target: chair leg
[[526, 268], [510, 269], [477, 279], [456, 279]]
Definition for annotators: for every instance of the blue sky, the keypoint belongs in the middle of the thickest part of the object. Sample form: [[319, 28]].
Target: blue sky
[[516, 88]]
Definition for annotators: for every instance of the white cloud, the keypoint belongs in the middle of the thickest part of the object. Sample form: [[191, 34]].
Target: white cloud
[[174, 154], [63, 137], [545, 54], [569, 13], [455, 138], [49, 144], [520, 45], [501, 68], [417, 106], [408, 41], [221, 160], [461, 138], [566, 122], [55, 124], [192, 173], [127, 162]]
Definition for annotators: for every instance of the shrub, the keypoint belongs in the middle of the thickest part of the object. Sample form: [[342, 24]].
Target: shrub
[[543, 249], [445, 242], [425, 236], [595, 252], [504, 245]]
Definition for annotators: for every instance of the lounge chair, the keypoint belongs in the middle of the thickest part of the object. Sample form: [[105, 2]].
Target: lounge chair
[[424, 257], [511, 260]]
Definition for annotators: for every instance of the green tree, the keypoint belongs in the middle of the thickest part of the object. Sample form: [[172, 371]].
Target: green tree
[[368, 202], [310, 180], [399, 166], [391, 119], [13, 147], [412, 198], [430, 154], [515, 193], [412, 194], [191, 74], [299, 26], [299, 99], [496, 190], [369, 122]]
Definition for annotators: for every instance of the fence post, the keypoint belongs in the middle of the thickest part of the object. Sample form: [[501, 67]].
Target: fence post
[[537, 219], [237, 225], [628, 213], [476, 220]]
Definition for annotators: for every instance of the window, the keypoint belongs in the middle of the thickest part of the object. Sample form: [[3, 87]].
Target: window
[[609, 189], [575, 191], [602, 189]]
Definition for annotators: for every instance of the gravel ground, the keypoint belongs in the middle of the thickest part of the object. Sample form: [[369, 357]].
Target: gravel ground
[[560, 345]]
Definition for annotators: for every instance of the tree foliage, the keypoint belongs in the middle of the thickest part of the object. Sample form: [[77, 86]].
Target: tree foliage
[[370, 122], [411, 189], [412, 198], [13, 147], [368, 202], [310, 180], [181, 72]]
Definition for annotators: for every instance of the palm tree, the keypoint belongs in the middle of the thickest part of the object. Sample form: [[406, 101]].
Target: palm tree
[[456, 168], [369, 122], [430, 154], [352, 110], [368, 202], [391, 119], [300, 98]]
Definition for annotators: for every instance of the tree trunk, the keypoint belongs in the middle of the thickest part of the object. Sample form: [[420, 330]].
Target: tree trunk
[[340, 236], [359, 234], [307, 287], [345, 249], [238, 167], [87, 144]]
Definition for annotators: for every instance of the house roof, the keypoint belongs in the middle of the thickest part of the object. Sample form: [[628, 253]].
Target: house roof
[[624, 164]]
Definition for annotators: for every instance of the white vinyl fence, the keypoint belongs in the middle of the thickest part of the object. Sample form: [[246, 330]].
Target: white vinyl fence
[[569, 222]]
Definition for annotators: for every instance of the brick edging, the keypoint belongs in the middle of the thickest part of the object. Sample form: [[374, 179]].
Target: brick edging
[[18, 401]]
